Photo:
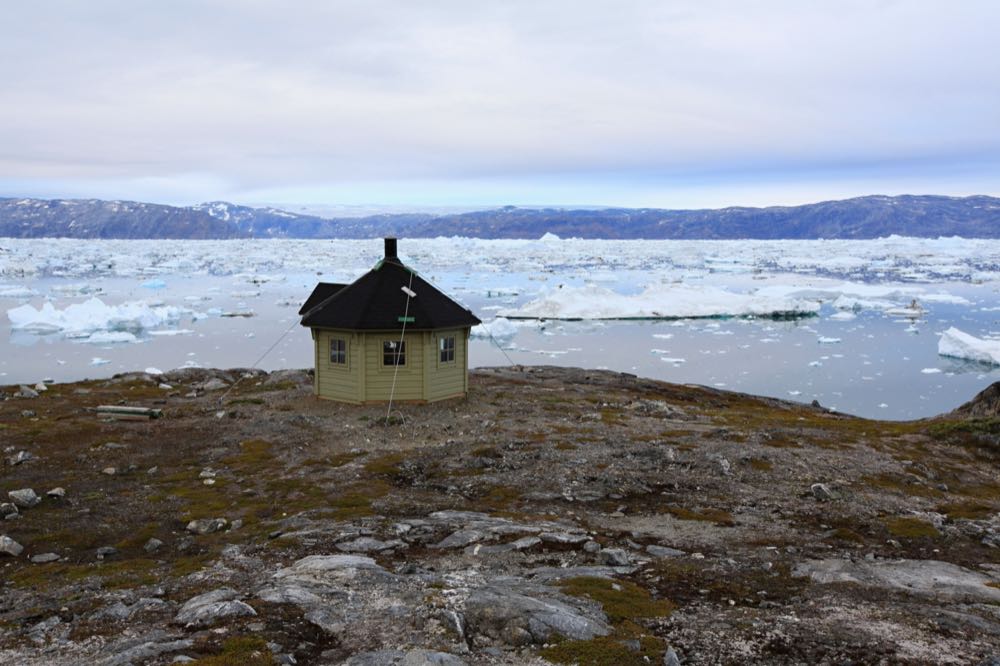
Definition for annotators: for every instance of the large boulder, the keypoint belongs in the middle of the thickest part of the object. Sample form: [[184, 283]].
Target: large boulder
[[206, 609], [927, 578], [515, 618]]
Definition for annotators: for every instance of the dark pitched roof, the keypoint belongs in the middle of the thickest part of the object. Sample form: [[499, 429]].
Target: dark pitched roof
[[323, 291], [376, 301]]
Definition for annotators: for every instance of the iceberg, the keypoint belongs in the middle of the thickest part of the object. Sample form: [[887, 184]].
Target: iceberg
[[498, 329], [85, 319], [661, 301], [958, 344]]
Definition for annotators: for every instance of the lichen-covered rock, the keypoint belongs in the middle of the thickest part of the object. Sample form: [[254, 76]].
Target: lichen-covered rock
[[206, 609], [206, 525], [515, 618], [25, 498], [929, 578], [10, 547], [401, 658]]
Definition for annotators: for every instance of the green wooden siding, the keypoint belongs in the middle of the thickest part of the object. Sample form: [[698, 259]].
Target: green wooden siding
[[333, 380], [446, 380], [379, 377], [365, 379]]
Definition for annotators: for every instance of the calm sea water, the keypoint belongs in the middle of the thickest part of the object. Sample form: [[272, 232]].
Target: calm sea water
[[875, 364]]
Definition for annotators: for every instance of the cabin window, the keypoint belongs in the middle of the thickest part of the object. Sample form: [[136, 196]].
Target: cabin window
[[393, 352], [338, 351], [447, 347]]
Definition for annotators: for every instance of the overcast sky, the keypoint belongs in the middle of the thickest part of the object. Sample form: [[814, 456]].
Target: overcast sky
[[668, 103]]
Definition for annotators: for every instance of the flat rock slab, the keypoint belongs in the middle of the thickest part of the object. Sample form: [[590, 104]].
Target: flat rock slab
[[323, 565], [460, 539], [551, 574], [205, 609], [401, 658], [368, 545], [929, 578], [521, 617]]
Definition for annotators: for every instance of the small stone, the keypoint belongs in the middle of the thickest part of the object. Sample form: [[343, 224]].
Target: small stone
[[41, 387], [10, 547], [57, 493], [44, 557], [697, 556], [208, 482], [237, 524], [152, 545], [663, 551], [591, 547], [110, 471], [25, 392], [615, 557], [214, 384], [565, 538], [7, 509], [25, 498], [105, 552], [207, 474], [20, 457], [28, 413], [821, 492], [671, 658], [220, 414], [206, 525]]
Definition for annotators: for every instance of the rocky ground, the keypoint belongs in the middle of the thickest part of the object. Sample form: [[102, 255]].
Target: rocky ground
[[557, 515]]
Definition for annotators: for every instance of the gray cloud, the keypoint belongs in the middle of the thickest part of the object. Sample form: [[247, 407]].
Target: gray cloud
[[259, 96]]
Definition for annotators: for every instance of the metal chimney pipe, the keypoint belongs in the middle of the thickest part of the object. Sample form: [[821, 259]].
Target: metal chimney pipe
[[390, 248]]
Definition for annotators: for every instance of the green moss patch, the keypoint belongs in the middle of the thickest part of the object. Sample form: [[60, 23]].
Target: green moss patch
[[969, 510], [606, 651], [240, 651], [910, 527], [621, 600], [113, 574], [900, 484]]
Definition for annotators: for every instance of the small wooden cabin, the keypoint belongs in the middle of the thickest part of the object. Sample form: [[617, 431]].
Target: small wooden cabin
[[389, 327]]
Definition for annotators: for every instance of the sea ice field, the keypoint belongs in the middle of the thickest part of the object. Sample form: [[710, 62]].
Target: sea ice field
[[893, 328]]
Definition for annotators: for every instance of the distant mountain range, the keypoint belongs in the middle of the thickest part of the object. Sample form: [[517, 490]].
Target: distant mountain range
[[859, 218]]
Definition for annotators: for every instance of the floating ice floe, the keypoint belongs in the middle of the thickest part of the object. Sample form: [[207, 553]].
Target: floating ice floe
[[111, 337], [662, 301], [15, 291], [931, 371], [93, 320], [958, 344], [823, 340], [499, 328], [155, 283], [97, 360]]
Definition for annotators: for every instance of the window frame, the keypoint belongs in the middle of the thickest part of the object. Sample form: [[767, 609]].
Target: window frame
[[446, 350], [391, 358], [341, 353]]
